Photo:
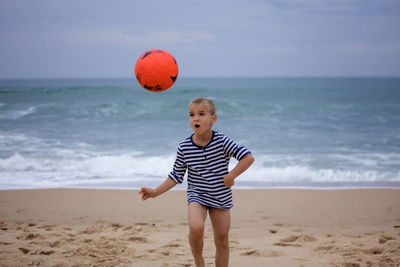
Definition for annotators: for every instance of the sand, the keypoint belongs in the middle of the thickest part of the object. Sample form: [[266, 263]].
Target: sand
[[277, 227]]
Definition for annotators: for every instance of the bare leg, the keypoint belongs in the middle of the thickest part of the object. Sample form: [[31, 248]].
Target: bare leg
[[197, 215], [221, 222]]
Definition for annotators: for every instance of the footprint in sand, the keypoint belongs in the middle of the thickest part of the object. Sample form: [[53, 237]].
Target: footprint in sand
[[383, 239], [141, 224], [252, 253], [351, 264], [116, 226], [324, 248], [300, 238], [291, 238], [165, 253], [47, 227], [29, 236], [283, 244], [373, 251], [283, 225], [47, 253], [172, 245], [127, 228], [307, 238], [24, 250], [257, 253], [138, 239], [56, 244], [90, 231], [87, 240]]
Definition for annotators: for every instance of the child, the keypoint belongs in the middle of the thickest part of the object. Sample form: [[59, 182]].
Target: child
[[205, 154]]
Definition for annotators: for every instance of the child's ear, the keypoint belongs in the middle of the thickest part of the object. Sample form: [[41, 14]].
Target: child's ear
[[214, 118]]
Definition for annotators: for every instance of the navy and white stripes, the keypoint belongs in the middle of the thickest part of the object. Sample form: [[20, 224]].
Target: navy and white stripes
[[207, 167]]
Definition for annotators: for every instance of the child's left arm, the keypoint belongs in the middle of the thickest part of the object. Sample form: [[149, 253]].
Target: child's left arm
[[241, 166]]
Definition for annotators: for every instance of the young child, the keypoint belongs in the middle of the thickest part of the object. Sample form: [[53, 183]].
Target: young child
[[205, 154]]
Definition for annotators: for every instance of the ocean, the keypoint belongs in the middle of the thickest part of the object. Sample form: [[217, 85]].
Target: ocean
[[111, 133]]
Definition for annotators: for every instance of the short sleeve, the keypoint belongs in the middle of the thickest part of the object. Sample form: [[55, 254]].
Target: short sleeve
[[179, 169], [232, 149]]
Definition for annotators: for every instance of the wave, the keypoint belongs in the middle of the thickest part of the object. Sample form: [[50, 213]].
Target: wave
[[293, 174], [16, 114], [133, 170]]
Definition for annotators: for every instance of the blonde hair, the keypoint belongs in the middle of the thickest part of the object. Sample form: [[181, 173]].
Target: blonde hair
[[205, 101]]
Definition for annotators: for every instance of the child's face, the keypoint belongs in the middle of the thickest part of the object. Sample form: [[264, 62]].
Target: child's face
[[200, 118]]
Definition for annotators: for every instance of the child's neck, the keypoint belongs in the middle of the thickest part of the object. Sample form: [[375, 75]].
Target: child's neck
[[202, 139]]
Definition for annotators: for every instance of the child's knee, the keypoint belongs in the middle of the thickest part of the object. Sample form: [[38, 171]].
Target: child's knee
[[196, 230], [221, 239]]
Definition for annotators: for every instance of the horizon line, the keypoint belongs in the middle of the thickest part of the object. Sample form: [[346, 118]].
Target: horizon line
[[208, 77]]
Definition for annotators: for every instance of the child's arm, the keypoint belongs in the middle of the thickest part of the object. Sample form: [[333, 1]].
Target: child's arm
[[242, 165], [147, 192]]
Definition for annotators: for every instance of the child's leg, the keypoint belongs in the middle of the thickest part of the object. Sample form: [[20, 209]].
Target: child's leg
[[221, 222], [197, 215]]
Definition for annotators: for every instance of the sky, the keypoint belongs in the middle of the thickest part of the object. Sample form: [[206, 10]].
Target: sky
[[230, 38]]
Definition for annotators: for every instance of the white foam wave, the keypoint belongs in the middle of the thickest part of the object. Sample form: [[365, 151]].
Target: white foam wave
[[24, 171], [113, 165], [16, 114], [71, 169], [304, 174]]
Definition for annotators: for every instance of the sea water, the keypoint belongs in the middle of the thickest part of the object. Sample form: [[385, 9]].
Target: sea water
[[111, 133]]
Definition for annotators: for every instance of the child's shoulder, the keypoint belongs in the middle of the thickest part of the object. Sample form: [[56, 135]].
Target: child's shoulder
[[218, 136], [186, 142]]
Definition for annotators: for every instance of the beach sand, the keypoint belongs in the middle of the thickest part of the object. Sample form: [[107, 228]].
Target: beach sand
[[272, 227]]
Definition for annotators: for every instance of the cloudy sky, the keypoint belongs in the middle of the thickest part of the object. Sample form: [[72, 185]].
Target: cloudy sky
[[96, 38]]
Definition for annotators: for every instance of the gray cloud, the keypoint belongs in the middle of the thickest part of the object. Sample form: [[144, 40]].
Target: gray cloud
[[47, 38]]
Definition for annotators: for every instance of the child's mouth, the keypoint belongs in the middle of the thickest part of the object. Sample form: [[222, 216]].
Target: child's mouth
[[197, 126]]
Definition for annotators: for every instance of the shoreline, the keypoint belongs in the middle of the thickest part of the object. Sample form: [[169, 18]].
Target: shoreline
[[240, 185], [276, 227]]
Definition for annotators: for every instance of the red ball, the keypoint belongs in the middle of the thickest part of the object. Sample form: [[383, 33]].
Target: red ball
[[156, 70]]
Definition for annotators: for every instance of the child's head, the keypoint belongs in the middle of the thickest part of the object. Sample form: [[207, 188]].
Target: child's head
[[202, 115], [205, 101]]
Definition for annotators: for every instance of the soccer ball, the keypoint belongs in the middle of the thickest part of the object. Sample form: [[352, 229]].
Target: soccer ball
[[156, 70]]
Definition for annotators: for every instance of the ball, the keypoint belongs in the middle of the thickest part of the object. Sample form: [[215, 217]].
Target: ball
[[156, 70]]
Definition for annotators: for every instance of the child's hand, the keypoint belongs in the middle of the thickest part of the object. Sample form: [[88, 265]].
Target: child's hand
[[229, 181], [146, 192]]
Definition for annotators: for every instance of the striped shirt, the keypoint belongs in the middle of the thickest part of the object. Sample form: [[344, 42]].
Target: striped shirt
[[207, 165]]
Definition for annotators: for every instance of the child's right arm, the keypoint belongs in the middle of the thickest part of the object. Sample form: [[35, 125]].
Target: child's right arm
[[147, 192]]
